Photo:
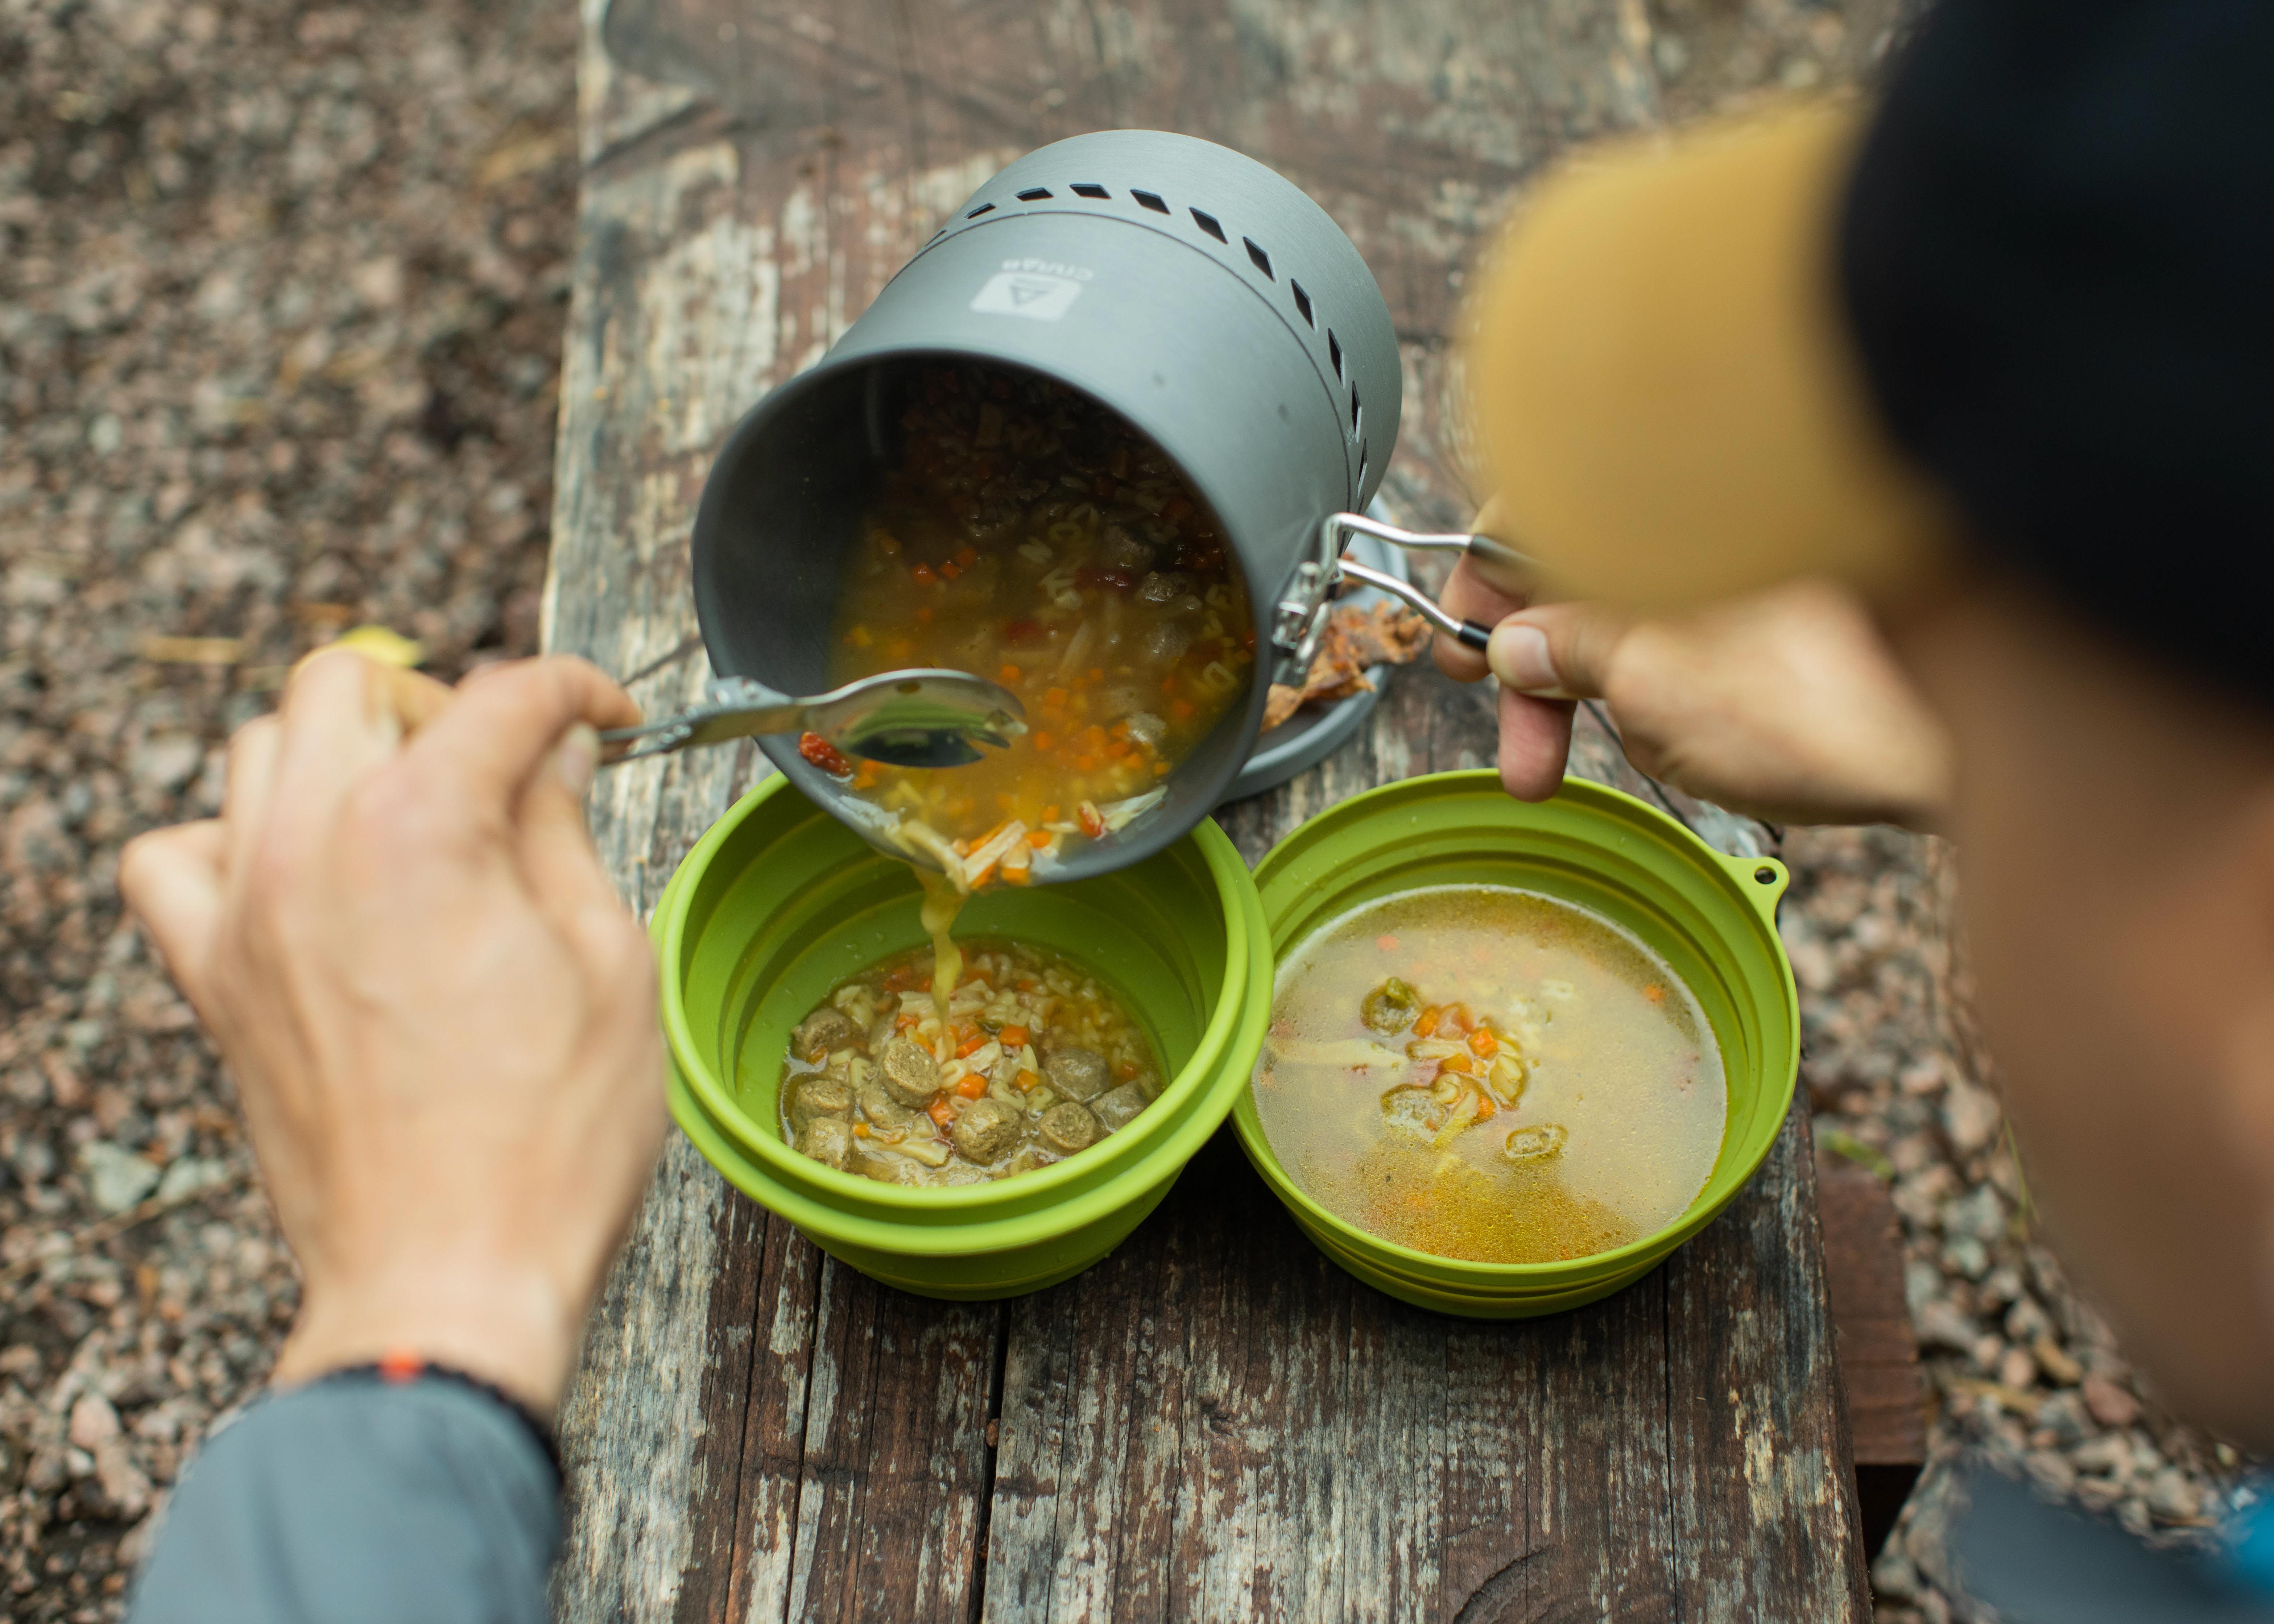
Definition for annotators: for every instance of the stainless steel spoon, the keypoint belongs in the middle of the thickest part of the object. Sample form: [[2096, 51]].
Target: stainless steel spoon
[[905, 718]]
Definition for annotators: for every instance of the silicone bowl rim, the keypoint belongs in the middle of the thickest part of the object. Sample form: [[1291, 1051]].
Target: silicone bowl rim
[[972, 1219], [1429, 1270]]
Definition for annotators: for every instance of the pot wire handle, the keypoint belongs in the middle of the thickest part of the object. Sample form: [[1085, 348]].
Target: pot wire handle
[[1473, 634], [1502, 567]]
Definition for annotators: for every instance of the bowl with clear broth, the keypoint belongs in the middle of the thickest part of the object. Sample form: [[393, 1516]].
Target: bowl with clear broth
[[1519, 1054]]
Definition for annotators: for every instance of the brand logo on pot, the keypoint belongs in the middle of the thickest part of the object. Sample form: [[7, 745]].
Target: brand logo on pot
[[1039, 289]]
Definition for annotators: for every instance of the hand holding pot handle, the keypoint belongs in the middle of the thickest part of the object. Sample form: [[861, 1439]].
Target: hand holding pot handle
[[1786, 704], [439, 1016]]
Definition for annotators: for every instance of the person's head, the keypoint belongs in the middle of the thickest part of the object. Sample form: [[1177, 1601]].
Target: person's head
[[1998, 352]]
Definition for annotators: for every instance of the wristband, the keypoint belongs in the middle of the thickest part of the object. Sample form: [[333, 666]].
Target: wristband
[[400, 1368]]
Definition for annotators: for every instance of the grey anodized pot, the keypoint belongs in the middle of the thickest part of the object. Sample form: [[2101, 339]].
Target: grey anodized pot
[[1194, 291]]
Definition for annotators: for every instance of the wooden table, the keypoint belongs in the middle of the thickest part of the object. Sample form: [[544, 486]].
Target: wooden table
[[1216, 1423]]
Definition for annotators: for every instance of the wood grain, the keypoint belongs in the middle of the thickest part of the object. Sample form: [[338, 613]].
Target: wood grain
[[1215, 1422]]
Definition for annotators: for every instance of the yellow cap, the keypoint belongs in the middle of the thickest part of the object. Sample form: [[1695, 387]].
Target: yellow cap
[[1666, 402]]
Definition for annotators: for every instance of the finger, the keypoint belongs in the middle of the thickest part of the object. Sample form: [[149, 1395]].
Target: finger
[[1535, 743], [253, 752], [340, 725], [1557, 650], [558, 861], [1467, 596], [172, 879], [500, 730]]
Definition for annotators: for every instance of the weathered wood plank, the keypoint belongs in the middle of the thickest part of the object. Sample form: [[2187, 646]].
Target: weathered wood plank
[[1207, 1424]]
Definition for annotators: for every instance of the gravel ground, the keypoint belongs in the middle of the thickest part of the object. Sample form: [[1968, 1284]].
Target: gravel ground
[[2020, 1366], [280, 298]]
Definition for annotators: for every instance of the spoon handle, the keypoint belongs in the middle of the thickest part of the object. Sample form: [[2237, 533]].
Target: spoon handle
[[737, 707]]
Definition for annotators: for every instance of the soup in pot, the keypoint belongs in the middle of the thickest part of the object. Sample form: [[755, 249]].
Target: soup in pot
[[1030, 535]]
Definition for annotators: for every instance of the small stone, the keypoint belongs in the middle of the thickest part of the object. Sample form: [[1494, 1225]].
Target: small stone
[[2061, 1418], [1979, 1213], [1672, 54], [2171, 1498], [2111, 1405], [1965, 1255], [166, 760], [2017, 1369], [116, 1178], [1894, 1578], [1940, 1324], [1971, 1117], [189, 1175], [2051, 1468], [92, 1421]]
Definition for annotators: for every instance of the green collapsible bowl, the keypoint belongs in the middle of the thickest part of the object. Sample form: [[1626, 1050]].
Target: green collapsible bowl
[[1713, 918], [779, 902]]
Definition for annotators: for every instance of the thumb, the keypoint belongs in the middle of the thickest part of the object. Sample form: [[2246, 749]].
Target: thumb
[[1557, 650]]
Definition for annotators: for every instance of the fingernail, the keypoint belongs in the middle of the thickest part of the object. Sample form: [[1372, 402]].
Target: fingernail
[[1518, 656], [577, 758]]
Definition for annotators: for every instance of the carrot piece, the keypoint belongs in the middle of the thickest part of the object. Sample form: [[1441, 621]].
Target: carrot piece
[[1018, 876], [1010, 674], [966, 1046], [924, 574], [1043, 741], [1027, 1080], [1388, 945], [860, 1130], [1049, 816], [940, 1112], [1459, 1064], [1013, 1037], [1427, 1024], [966, 556], [907, 1021], [923, 615], [951, 569], [1482, 1041], [1485, 1109], [971, 1085], [1180, 709], [1039, 837]]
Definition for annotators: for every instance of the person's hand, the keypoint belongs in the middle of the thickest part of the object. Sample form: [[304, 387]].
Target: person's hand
[[1785, 704], [439, 1016]]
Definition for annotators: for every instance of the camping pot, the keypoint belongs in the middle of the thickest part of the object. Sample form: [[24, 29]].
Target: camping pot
[[1194, 291]]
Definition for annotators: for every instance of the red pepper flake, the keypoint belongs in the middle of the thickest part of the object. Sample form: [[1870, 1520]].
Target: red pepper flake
[[824, 755]]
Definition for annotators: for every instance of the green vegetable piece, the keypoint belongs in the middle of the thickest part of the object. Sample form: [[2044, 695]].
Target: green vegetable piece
[[1390, 1007], [1535, 1144]]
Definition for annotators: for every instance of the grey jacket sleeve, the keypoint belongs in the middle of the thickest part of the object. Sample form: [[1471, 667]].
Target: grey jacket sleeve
[[359, 1502]]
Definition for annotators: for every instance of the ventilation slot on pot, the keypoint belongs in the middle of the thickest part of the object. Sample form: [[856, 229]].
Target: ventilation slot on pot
[[1357, 411], [1258, 258], [1208, 224], [1152, 201], [985, 208], [1302, 303], [1086, 189], [1034, 194], [1335, 353], [1361, 468]]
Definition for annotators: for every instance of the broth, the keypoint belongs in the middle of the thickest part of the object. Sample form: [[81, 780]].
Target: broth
[[1028, 1060], [1488, 1074], [1030, 535]]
